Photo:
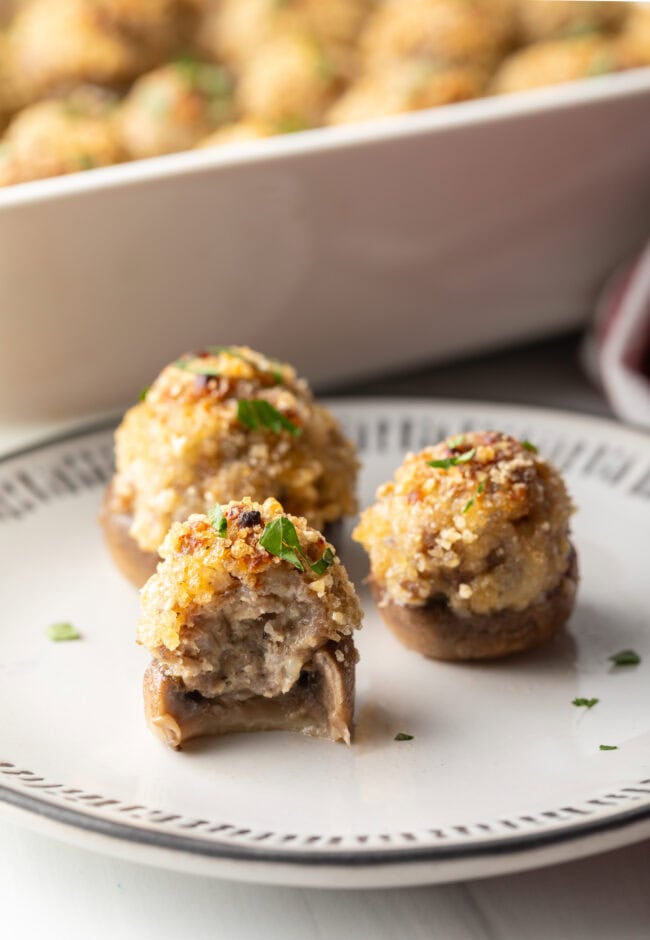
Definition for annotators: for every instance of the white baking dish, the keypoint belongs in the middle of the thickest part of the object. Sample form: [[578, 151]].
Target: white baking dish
[[347, 251]]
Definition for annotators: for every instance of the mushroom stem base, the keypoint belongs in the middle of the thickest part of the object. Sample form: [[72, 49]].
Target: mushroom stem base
[[438, 633], [321, 703]]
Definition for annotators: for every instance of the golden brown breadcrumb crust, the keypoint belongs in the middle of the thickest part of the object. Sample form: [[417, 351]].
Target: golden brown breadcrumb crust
[[486, 534], [199, 566], [184, 448]]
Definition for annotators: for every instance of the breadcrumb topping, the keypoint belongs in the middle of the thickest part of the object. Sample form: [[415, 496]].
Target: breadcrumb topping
[[228, 618], [183, 448], [486, 529], [199, 566]]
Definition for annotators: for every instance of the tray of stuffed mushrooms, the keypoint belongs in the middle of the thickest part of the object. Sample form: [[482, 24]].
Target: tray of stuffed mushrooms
[[91, 84], [274, 159], [337, 643]]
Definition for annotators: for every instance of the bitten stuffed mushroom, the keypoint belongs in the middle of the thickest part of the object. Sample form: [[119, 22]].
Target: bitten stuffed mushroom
[[469, 548], [219, 425], [249, 619]]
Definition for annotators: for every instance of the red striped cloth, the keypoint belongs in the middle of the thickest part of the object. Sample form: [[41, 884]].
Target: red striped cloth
[[617, 349]]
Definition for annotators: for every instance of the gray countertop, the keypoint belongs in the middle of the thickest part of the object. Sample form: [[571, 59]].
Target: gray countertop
[[545, 374]]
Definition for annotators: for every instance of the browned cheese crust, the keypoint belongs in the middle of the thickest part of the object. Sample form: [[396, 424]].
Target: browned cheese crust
[[471, 558], [242, 639], [184, 448]]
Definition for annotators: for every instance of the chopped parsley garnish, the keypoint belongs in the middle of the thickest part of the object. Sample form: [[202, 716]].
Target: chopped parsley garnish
[[292, 125], [456, 442], [281, 539], [447, 462], [585, 702], [143, 393], [187, 65], [257, 413], [608, 747], [276, 371], [320, 567], [206, 78], [196, 365], [470, 502], [85, 161], [579, 29], [528, 446], [324, 67], [59, 632], [402, 736], [218, 521], [625, 658], [601, 64]]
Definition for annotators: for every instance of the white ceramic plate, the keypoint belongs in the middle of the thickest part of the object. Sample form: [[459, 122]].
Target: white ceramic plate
[[503, 772]]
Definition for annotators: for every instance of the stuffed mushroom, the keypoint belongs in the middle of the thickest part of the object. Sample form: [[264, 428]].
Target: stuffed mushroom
[[237, 132], [446, 32], [249, 620], [470, 555], [218, 425], [54, 45], [289, 84], [57, 137], [633, 43], [555, 62], [405, 86], [236, 30], [540, 19], [174, 107]]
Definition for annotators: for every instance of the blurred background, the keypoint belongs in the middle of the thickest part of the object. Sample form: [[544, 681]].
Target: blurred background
[[362, 187]]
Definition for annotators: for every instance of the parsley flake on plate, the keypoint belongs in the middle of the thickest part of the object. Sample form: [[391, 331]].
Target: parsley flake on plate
[[585, 702], [528, 446], [402, 736], [608, 747], [625, 658], [60, 632]]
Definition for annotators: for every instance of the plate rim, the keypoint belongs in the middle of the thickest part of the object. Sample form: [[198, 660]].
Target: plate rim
[[360, 857], [343, 858]]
